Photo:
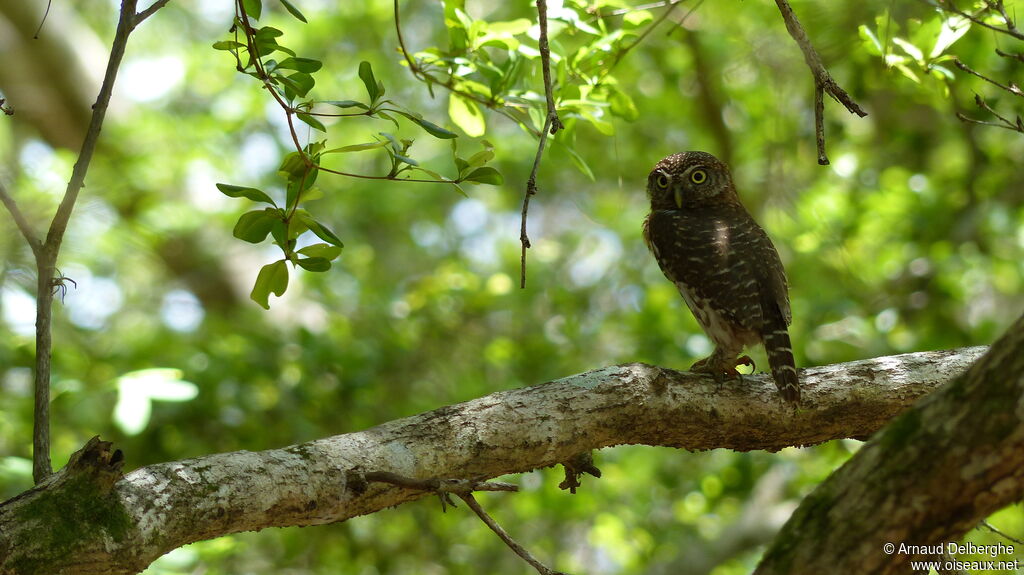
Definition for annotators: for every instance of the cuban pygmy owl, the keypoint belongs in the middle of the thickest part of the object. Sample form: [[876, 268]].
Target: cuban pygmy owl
[[723, 264]]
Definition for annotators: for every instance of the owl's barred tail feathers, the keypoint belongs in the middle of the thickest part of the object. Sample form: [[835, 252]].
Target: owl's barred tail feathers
[[780, 358]]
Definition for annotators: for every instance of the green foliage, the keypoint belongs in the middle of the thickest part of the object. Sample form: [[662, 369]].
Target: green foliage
[[910, 240], [292, 80], [923, 52]]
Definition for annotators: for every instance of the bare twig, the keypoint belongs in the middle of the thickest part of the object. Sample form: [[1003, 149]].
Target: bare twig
[[822, 79], [1010, 28], [989, 526], [997, 5], [500, 532], [1011, 88], [1018, 56], [46, 251], [1005, 123], [141, 16], [464, 488], [43, 21], [552, 124], [19, 219], [819, 123]]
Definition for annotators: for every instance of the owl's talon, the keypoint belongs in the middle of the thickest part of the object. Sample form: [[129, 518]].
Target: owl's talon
[[719, 372]]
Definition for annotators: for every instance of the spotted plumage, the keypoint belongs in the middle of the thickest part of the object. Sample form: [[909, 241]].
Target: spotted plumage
[[723, 264]]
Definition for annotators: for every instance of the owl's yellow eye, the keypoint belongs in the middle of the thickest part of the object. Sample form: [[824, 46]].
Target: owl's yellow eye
[[661, 181], [699, 176]]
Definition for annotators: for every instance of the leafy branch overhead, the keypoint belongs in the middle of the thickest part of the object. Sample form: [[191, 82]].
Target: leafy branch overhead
[[924, 55], [289, 81]]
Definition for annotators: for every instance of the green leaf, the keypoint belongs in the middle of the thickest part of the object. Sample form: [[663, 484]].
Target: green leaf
[[871, 43], [372, 86], [392, 140], [325, 251], [485, 175], [311, 194], [228, 45], [457, 22], [311, 121], [357, 147], [405, 159], [346, 104], [299, 183], [941, 72], [478, 159], [952, 30], [254, 226], [307, 65], [603, 126], [280, 234], [268, 32], [432, 174], [911, 50], [299, 83], [622, 106], [254, 8], [292, 166], [906, 71], [293, 11], [581, 164], [431, 128], [272, 279], [242, 192], [466, 115], [314, 264], [386, 116], [637, 18], [319, 229]]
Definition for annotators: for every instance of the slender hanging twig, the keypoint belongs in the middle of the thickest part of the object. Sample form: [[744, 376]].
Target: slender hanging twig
[[823, 81], [551, 126]]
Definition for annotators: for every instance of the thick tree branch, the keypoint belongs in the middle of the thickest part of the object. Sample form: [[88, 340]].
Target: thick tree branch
[[161, 507], [926, 479]]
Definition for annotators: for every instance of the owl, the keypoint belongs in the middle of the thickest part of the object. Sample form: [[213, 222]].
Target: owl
[[723, 264]]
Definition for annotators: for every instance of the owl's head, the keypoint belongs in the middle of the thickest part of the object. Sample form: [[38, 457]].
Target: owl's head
[[689, 180]]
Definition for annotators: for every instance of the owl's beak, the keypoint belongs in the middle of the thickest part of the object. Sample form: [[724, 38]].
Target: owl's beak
[[679, 198]]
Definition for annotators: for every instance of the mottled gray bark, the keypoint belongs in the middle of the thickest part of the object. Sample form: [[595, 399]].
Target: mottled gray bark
[[113, 524], [927, 478]]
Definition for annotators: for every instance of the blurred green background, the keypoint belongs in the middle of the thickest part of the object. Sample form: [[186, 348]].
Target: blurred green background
[[913, 239]]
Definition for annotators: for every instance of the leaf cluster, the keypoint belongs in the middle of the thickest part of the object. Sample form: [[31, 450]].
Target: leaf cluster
[[290, 81]]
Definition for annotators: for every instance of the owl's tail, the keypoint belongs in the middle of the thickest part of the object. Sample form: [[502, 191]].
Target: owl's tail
[[780, 358]]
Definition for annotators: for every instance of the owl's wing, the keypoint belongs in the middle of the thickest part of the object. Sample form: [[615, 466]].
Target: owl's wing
[[717, 260], [773, 274], [728, 262]]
